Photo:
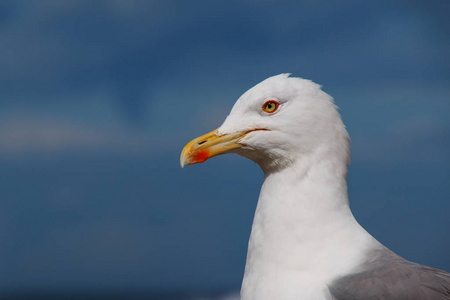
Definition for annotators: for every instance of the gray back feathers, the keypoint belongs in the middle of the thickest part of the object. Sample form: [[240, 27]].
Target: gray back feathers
[[386, 275]]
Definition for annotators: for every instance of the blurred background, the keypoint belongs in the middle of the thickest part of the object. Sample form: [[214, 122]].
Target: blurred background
[[97, 99]]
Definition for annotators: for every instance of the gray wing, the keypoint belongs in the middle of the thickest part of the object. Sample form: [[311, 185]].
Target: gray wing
[[386, 275]]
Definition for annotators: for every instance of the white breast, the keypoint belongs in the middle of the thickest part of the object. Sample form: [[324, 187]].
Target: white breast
[[303, 237]]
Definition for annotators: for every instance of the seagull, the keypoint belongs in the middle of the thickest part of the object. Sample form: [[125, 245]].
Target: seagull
[[305, 242]]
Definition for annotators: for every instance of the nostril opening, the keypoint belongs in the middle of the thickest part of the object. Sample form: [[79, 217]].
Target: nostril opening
[[202, 142]]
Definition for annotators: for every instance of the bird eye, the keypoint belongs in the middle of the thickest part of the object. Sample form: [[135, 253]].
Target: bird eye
[[270, 106]]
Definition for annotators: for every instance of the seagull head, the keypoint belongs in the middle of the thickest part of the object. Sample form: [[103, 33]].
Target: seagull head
[[277, 122]]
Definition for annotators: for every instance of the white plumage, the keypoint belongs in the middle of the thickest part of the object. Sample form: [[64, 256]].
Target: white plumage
[[305, 242]]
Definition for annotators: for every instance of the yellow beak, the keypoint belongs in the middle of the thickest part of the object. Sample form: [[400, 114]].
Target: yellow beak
[[209, 145]]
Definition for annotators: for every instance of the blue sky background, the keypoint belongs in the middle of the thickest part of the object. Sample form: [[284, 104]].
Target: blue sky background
[[97, 99]]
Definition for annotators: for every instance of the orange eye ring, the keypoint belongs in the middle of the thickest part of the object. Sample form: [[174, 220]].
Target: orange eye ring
[[270, 106]]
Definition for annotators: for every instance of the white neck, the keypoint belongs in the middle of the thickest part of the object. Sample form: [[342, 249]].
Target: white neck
[[304, 234]]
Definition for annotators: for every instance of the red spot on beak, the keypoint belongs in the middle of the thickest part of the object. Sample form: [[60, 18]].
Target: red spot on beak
[[200, 156]]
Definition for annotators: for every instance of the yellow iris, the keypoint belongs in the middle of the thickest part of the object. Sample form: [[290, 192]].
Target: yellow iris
[[270, 106]]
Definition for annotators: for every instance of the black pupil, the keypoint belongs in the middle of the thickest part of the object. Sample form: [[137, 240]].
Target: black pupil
[[270, 106]]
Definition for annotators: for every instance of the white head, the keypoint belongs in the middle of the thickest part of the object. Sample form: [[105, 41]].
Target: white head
[[299, 122]]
